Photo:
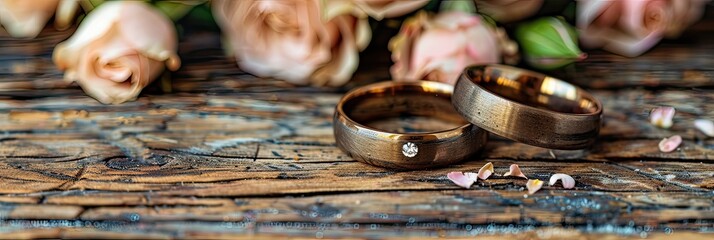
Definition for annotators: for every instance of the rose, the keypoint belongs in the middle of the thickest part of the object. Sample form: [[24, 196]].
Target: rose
[[22, 18], [118, 49], [301, 41], [685, 13], [508, 10], [439, 48], [630, 28], [380, 9]]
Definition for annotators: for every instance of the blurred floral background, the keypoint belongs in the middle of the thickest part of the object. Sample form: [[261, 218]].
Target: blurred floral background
[[120, 47]]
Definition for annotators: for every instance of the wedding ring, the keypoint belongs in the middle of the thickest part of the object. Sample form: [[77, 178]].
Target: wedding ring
[[426, 130], [528, 107]]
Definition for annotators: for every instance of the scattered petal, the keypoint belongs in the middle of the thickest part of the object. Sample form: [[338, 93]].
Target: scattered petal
[[662, 117], [565, 179], [485, 171], [534, 185], [464, 180], [515, 171], [670, 144], [706, 126], [472, 175]]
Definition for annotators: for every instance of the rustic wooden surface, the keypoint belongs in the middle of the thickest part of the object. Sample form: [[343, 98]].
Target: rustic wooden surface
[[228, 155]]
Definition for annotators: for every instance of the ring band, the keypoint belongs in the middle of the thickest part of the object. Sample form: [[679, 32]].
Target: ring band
[[528, 107], [358, 136]]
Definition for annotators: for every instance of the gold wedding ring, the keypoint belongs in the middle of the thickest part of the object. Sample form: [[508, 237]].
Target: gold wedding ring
[[528, 107], [361, 128]]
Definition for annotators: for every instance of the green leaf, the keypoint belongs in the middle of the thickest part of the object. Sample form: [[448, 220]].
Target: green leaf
[[175, 9], [467, 6], [548, 43]]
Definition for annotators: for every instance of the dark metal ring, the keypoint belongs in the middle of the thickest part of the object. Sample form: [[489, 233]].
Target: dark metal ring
[[528, 107], [395, 149]]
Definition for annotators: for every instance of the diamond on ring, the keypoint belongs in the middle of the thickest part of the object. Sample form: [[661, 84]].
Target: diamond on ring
[[410, 149]]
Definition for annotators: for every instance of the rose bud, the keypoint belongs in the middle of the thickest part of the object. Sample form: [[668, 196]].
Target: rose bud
[[25, 19], [439, 47], [630, 28], [301, 41], [118, 49]]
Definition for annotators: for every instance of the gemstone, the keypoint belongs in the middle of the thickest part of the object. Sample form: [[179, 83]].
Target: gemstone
[[410, 149]]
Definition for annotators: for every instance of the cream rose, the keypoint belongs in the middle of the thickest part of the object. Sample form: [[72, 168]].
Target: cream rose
[[25, 19], [301, 41], [380, 9], [508, 10], [630, 28], [439, 47], [685, 13], [118, 49]]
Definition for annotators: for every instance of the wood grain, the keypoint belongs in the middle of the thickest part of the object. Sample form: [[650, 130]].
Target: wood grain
[[224, 154]]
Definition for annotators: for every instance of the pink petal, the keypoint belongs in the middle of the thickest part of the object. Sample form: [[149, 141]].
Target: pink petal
[[485, 171], [662, 116], [567, 181], [515, 171], [472, 176], [464, 180], [670, 144], [534, 185], [706, 126]]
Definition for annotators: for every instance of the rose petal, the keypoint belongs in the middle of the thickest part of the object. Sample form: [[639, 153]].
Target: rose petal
[[464, 180], [706, 126], [485, 171], [567, 181], [515, 171], [670, 144], [662, 117], [534, 185], [472, 176]]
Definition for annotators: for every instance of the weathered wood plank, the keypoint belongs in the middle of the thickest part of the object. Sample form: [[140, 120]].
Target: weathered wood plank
[[193, 230], [229, 155], [175, 174], [451, 212], [696, 175], [287, 130], [43, 212]]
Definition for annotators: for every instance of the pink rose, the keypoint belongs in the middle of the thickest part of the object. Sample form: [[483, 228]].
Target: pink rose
[[685, 12], [438, 48], [25, 19], [118, 49], [301, 41], [508, 10], [380, 9], [631, 27]]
